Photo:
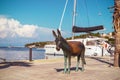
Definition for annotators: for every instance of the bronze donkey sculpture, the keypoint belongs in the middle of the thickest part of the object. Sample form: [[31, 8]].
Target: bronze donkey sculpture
[[70, 48]]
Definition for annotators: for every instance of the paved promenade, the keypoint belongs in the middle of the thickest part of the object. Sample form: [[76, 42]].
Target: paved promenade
[[52, 69]]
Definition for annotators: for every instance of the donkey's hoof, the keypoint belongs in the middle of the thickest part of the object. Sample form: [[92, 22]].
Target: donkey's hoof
[[82, 70], [76, 70], [64, 72]]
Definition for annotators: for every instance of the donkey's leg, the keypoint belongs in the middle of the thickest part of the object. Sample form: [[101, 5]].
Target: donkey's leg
[[83, 62], [78, 62], [82, 65], [69, 63], [65, 63]]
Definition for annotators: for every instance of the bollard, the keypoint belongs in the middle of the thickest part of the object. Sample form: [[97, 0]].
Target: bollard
[[30, 54]]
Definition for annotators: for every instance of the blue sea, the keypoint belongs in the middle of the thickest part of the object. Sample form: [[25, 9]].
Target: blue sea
[[20, 53]]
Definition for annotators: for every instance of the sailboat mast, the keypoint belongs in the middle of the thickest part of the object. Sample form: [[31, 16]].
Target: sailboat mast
[[74, 17], [60, 25]]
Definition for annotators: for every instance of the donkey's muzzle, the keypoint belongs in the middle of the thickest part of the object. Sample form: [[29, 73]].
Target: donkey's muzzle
[[57, 48]]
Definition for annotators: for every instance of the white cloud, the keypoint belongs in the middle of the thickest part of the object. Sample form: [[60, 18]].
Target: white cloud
[[8, 27], [15, 31], [27, 31], [13, 28]]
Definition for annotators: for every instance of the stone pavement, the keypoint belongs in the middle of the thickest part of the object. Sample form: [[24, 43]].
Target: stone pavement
[[52, 69]]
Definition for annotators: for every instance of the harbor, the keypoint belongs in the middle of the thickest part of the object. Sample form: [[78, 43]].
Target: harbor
[[20, 53], [60, 40]]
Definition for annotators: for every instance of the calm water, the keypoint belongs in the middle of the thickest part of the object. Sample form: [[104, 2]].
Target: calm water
[[20, 53]]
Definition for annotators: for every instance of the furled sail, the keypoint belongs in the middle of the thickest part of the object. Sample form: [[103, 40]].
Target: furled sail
[[77, 29]]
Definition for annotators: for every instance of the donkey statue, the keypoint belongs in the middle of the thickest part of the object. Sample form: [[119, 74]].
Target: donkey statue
[[70, 48]]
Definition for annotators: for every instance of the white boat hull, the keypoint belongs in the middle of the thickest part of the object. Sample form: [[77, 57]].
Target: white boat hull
[[90, 50]]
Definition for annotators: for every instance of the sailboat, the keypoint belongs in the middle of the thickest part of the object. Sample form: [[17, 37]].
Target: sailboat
[[91, 44]]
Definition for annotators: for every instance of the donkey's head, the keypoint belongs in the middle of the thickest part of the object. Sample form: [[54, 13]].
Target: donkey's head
[[58, 39]]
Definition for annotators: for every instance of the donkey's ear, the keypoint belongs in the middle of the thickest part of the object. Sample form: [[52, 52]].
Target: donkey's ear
[[54, 34], [59, 33]]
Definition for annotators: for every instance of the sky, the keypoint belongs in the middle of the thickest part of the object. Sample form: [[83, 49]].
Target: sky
[[27, 21]]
